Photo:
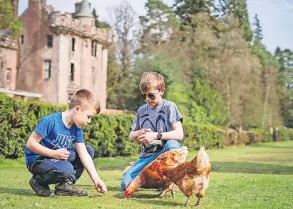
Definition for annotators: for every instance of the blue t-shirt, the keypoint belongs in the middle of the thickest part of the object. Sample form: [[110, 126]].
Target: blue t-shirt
[[55, 135], [160, 119]]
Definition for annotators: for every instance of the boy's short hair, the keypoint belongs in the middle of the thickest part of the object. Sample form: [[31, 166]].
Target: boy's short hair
[[151, 80], [85, 99]]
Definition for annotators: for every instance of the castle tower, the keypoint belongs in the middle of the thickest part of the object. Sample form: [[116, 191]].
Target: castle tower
[[84, 13], [36, 2]]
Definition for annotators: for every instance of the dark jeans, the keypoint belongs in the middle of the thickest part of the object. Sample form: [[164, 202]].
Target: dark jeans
[[51, 171]]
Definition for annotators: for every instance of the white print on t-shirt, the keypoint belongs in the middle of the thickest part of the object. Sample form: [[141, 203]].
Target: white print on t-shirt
[[63, 141]]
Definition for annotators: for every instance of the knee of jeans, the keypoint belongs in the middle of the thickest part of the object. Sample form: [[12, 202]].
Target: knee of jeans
[[90, 150], [125, 181], [172, 144], [67, 170], [123, 184], [123, 187]]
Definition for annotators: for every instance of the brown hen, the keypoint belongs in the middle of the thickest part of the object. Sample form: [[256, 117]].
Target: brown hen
[[191, 177], [149, 177]]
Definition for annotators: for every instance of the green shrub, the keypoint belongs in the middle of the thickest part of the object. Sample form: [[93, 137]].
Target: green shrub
[[197, 135], [284, 134], [108, 134]]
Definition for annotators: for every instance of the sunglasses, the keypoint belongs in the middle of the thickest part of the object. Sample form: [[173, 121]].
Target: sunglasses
[[151, 96]]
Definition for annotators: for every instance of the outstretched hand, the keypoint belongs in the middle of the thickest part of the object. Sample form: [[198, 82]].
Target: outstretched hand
[[101, 187]]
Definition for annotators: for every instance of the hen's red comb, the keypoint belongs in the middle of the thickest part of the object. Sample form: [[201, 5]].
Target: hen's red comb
[[127, 193]]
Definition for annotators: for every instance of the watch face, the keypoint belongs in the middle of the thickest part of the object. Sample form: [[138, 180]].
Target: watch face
[[159, 135]]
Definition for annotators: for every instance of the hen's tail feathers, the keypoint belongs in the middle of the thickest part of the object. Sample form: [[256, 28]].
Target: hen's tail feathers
[[202, 159]]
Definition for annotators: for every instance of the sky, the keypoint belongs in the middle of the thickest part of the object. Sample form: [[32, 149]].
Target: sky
[[276, 16]]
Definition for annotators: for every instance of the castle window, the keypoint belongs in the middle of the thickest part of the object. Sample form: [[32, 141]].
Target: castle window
[[94, 48], [72, 72], [73, 44], [47, 72], [50, 41], [22, 39], [8, 75]]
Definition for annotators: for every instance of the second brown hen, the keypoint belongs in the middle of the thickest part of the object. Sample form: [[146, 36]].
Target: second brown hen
[[191, 177]]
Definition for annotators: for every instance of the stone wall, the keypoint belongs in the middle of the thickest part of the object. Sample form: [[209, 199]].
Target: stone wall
[[8, 63]]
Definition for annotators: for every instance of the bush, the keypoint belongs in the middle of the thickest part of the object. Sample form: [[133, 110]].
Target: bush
[[197, 135], [284, 134], [108, 134]]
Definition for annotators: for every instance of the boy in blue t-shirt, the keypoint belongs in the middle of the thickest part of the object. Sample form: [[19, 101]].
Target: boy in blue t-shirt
[[50, 156], [157, 125]]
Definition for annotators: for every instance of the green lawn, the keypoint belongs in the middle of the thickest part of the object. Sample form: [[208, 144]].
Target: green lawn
[[258, 176]]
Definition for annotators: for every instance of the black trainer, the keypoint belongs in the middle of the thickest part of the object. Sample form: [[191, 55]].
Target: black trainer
[[67, 189], [41, 190]]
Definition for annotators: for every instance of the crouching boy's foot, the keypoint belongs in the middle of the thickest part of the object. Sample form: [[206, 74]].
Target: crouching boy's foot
[[67, 189], [41, 190]]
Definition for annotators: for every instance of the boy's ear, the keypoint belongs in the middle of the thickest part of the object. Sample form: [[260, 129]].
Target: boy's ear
[[162, 91], [77, 109]]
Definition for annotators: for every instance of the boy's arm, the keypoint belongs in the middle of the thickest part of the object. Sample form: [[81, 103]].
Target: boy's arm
[[88, 164], [33, 143], [176, 133]]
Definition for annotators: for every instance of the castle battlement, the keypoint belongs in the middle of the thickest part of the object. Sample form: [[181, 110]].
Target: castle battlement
[[8, 43], [65, 23]]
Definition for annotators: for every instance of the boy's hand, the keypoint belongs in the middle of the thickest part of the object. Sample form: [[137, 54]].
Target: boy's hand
[[147, 137], [100, 186], [61, 154], [144, 130]]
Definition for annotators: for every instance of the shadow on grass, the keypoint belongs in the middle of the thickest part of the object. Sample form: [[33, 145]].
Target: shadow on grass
[[143, 200], [17, 191], [91, 186], [247, 167], [148, 199]]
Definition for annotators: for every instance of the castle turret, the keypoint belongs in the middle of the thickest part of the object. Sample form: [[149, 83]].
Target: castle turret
[[36, 2], [84, 13]]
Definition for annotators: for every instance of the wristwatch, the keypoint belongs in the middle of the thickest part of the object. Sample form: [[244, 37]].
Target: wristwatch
[[159, 136]]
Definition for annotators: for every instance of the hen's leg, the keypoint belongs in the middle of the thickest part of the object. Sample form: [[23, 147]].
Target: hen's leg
[[173, 191], [198, 202], [162, 194], [187, 201]]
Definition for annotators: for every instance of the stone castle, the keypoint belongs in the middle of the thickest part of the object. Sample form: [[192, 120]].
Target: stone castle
[[57, 53]]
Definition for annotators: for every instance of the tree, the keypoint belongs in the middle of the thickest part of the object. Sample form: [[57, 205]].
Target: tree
[[158, 23], [206, 101], [285, 78], [185, 8], [234, 72], [125, 31], [7, 19], [257, 29], [237, 8], [98, 23], [125, 36]]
